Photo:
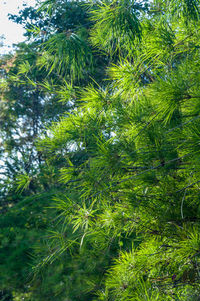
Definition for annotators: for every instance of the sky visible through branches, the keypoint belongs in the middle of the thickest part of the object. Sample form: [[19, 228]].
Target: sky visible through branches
[[12, 32]]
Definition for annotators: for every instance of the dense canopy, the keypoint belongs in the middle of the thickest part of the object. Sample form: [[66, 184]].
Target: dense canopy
[[100, 153]]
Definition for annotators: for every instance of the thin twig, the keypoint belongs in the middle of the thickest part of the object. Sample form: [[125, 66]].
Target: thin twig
[[182, 204]]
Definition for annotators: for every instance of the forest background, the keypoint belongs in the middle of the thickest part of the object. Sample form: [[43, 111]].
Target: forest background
[[100, 153]]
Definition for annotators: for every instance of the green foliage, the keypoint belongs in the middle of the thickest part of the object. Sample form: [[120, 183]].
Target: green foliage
[[186, 9], [116, 24], [66, 53], [111, 201]]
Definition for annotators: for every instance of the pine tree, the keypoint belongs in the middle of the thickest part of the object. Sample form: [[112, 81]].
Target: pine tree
[[127, 157], [32, 96]]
